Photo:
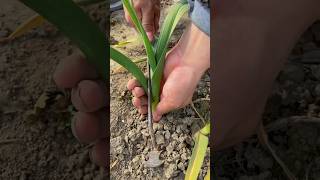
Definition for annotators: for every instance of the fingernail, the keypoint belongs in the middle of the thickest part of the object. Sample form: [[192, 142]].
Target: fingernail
[[150, 36], [156, 117]]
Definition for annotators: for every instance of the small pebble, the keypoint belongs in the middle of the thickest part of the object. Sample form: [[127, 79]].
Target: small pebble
[[170, 171], [159, 139], [167, 135]]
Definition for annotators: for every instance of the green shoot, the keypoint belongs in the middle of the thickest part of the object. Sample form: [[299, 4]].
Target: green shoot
[[156, 55], [76, 24], [73, 22], [198, 153]]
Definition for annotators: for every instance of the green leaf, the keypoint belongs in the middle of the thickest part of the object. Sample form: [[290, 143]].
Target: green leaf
[[36, 20], [139, 27], [170, 22], [198, 154], [76, 24], [130, 66]]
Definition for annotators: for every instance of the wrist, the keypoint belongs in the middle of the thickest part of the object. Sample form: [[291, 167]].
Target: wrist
[[195, 46]]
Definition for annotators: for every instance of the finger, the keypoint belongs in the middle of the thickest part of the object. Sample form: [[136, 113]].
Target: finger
[[156, 21], [128, 18], [143, 109], [138, 102], [172, 61], [89, 127], [162, 108], [132, 83], [73, 69], [138, 92], [138, 10], [89, 96], [148, 23], [98, 153]]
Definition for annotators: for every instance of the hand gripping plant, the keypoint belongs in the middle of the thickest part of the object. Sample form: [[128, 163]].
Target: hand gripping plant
[[77, 25], [156, 53]]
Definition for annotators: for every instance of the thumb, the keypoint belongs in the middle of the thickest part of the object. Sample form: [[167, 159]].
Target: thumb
[[162, 108], [148, 24]]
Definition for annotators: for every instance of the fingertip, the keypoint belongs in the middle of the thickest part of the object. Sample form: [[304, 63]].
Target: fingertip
[[156, 117], [143, 110], [150, 36], [138, 92], [132, 83], [72, 69], [86, 127], [136, 102], [89, 96]]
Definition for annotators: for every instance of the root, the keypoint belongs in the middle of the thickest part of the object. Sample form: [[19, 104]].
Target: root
[[263, 138]]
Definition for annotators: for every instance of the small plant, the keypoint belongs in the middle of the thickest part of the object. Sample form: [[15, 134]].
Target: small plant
[[156, 57], [156, 52]]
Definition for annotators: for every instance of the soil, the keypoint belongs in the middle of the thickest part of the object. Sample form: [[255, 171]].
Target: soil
[[35, 136], [36, 140], [295, 97], [130, 140]]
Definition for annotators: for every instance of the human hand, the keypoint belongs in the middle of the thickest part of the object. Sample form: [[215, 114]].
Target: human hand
[[148, 11], [89, 96], [185, 64]]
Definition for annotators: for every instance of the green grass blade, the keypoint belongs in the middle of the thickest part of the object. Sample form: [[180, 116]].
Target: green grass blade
[[206, 129], [139, 27], [198, 154], [76, 24], [130, 66], [170, 22]]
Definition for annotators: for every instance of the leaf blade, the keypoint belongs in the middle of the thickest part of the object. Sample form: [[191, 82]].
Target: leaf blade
[[170, 22], [197, 157], [82, 31], [31, 23], [129, 65], [139, 27]]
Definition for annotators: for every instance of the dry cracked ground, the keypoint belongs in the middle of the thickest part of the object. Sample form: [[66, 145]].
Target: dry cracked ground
[[130, 139]]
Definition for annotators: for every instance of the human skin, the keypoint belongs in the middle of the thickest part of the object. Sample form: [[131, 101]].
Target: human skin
[[89, 96], [184, 66], [148, 11], [251, 42]]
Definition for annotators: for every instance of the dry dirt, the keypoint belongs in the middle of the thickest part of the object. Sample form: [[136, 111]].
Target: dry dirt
[[130, 140], [37, 143]]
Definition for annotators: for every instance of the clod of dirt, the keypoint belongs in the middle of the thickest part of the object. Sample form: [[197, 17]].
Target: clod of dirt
[[167, 135], [159, 138], [171, 171], [153, 160], [157, 126], [117, 145]]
